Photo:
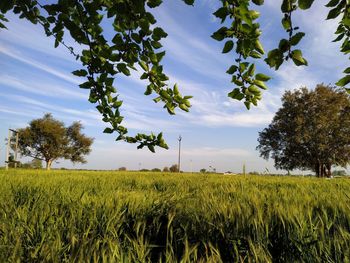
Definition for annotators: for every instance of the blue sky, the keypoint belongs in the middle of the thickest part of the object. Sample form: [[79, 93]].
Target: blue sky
[[35, 79]]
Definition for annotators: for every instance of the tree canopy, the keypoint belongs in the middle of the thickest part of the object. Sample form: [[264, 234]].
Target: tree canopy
[[48, 139], [310, 131], [136, 45]]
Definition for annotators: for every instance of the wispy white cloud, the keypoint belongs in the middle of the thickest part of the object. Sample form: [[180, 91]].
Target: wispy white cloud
[[44, 67], [23, 34], [48, 88]]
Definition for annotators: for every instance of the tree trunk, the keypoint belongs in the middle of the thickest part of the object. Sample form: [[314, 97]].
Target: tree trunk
[[321, 170], [317, 169], [329, 170], [48, 164]]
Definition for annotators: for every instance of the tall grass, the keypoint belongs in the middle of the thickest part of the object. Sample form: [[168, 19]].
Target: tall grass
[[78, 216]]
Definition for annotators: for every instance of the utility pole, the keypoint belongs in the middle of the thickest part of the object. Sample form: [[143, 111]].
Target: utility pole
[[8, 151], [179, 161], [16, 146]]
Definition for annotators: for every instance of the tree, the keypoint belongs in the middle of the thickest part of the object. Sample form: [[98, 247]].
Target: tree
[[203, 170], [310, 131], [166, 169], [174, 168], [137, 43], [12, 163], [48, 139], [34, 164], [123, 168]]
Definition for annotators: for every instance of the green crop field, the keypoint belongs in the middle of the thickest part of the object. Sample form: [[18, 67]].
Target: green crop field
[[85, 216]]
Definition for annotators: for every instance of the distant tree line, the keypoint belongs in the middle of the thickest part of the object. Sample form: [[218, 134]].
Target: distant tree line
[[33, 164]]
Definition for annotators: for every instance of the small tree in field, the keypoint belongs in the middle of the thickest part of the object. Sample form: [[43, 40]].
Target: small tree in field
[[310, 131], [48, 139], [36, 164], [174, 168]]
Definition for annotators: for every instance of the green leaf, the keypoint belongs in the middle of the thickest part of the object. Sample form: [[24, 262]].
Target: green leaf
[[284, 45], [159, 33], [343, 81], [333, 13], [338, 38], [154, 3], [305, 4], [220, 34], [123, 68], [251, 70], [332, 3], [221, 13], [247, 104], [108, 130], [86, 85], [136, 38], [254, 14], [274, 58], [80, 73], [286, 22], [164, 94], [156, 44], [347, 71], [297, 58], [258, 2], [296, 38], [254, 89], [260, 84], [262, 77], [232, 69], [286, 6], [259, 47], [148, 90], [176, 90], [228, 46], [243, 66], [151, 148], [158, 99], [2, 26], [118, 103], [6, 5], [254, 54], [118, 40], [143, 65], [189, 2], [183, 107], [236, 94]]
